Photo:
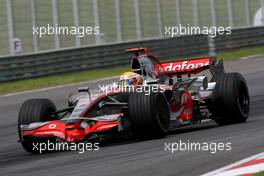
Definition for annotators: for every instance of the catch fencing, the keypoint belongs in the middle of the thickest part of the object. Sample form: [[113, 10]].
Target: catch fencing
[[119, 20]]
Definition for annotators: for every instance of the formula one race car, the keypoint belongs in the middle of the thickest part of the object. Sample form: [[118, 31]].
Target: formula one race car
[[147, 102]]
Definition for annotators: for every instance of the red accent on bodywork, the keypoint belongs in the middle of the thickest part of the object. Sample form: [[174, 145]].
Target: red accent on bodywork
[[187, 104], [136, 49], [45, 130], [69, 132]]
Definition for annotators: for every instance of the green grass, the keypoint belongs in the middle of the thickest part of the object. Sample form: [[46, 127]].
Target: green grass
[[31, 84], [239, 53], [259, 174], [48, 81]]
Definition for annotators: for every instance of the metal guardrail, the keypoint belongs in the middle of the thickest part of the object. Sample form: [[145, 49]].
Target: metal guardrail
[[85, 58], [244, 37]]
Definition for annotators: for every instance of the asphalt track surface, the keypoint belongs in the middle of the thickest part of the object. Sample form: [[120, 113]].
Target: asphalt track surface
[[139, 157]]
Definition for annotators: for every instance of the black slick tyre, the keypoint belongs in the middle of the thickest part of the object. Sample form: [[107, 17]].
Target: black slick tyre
[[149, 114], [34, 110], [231, 102]]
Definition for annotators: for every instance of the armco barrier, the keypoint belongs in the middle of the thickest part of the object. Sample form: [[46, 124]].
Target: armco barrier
[[92, 57], [244, 37], [35, 65]]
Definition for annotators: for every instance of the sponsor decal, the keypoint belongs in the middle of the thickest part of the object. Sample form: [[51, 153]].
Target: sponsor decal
[[188, 65]]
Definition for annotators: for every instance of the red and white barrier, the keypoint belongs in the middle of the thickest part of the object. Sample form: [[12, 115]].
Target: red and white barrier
[[245, 167]]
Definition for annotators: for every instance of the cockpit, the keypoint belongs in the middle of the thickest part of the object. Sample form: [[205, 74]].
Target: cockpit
[[148, 67]]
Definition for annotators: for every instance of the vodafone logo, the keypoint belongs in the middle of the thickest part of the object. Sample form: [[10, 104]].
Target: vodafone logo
[[181, 66]]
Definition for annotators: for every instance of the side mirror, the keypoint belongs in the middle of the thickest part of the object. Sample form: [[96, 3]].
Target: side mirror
[[84, 89]]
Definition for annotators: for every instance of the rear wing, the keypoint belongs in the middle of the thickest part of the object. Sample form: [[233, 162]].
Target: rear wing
[[186, 67]]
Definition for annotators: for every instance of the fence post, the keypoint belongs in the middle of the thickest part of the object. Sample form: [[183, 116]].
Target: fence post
[[195, 13], [76, 20], [96, 21], [211, 45], [262, 7], [178, 12], [213, 14], [33, 22], [230, 13], [118, 21], [138, 21], [247, 12], [10, 26], [55, 23], [159, 21]]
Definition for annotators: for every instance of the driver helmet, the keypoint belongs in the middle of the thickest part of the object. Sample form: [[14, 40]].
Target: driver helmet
[[130, 79]]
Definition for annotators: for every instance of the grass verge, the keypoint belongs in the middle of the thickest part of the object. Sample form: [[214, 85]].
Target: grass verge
[[259, 174], [239, 53], [48, 81]]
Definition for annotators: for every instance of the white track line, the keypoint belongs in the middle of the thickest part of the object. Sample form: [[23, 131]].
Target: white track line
[[253, 56], [218, 171]]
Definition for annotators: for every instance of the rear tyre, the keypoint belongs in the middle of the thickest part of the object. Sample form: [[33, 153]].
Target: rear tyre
[[34, 110], [149, 114], [231, 101]]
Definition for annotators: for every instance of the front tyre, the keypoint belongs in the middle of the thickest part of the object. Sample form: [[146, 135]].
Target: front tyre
[[34, 110]]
